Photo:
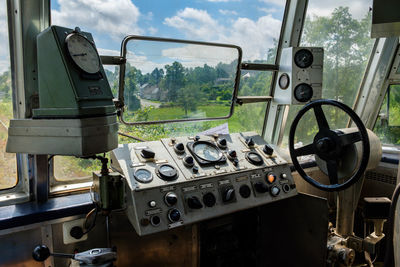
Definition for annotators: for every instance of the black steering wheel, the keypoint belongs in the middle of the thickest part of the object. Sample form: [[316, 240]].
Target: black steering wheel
[[329, 145]]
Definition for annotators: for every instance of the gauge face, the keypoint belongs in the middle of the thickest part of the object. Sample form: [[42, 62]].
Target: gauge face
[[143, 176], [83, 53], [284, 81], [207, 152], [167, 172], [303, 58], [303, 92]]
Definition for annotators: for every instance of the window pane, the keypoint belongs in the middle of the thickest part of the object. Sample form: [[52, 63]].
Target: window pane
[[8, 164], [344, 33], [72, 168], [253, 25], [387, 126]]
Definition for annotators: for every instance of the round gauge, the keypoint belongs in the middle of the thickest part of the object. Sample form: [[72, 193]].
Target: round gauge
[[143, 176], [83, 53], [303, 58], [254, 158], [167, 172], [303, 92], [284, 81], [207, 151]]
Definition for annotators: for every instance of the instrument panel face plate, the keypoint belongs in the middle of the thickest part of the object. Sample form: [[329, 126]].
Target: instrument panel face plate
[[200, 191]]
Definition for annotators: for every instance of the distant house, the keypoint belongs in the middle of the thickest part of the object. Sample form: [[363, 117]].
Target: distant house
[[152, 92]]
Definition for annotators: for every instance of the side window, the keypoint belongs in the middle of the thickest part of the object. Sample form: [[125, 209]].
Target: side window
[[8, 163], [387, 126]]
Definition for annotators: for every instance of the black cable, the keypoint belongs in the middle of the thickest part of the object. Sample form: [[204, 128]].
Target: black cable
[[389, 255]]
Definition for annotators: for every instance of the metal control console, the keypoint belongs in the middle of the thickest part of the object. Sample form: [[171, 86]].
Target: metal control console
[[178, 181]]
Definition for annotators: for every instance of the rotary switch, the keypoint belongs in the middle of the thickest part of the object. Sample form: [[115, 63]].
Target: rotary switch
[[267, 149], [232, 154], [188, 161], [147, 153], [249, 142], [260, 187], [275, 191], [179, 148], [209, 199], [170, 198], [194, 203], [174, 215], [221, 143], [228, 195], [245, 191]]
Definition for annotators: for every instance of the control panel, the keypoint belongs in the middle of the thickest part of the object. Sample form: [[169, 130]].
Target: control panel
[[179, 181]]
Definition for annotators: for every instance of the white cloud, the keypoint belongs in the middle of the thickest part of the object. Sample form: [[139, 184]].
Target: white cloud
[[195, 23], [196, 55], [275, 2], [152, 30], [254, 36], [118, 18], [227, 12], [269, 10], [358, 8]]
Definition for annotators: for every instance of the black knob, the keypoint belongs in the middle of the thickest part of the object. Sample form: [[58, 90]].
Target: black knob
[[232, 154], [194, 203], [267, 149], [76, 232], [170, 198], [249, 141], [228, 195], [147, 153], [188, 161], [275, 191], [197, 138], [261, 187], [179, 148], [235, 162], [209, 199], [221, 143], [195, 169], [244, 191], [174, 215], [40, 253]]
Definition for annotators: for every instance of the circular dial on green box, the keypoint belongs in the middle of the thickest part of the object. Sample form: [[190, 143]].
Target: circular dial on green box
[[83, 53]]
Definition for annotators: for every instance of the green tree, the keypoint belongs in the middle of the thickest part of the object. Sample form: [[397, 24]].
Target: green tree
[[189, 97], [174, 80]]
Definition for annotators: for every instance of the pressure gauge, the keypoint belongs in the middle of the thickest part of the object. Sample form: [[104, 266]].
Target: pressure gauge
[[83, 53], [303, 92], [303, 58], [143, 176]]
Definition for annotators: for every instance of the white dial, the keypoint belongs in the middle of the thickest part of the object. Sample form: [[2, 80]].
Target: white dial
[[83, 53]]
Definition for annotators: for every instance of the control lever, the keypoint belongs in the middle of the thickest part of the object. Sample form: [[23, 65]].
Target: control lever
[[103, 257]]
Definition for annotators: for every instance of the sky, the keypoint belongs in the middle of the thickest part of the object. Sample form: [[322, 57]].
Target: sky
[[251, 24]]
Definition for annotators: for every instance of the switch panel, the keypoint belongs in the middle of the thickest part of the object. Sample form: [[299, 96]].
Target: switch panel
[[211, 176]]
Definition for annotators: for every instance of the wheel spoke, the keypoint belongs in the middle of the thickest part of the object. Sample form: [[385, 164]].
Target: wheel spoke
[[304, 150], [321, 119], [350, 138], [332, 171]]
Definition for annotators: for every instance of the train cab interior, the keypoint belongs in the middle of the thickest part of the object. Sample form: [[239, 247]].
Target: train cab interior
[[199, 133]]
